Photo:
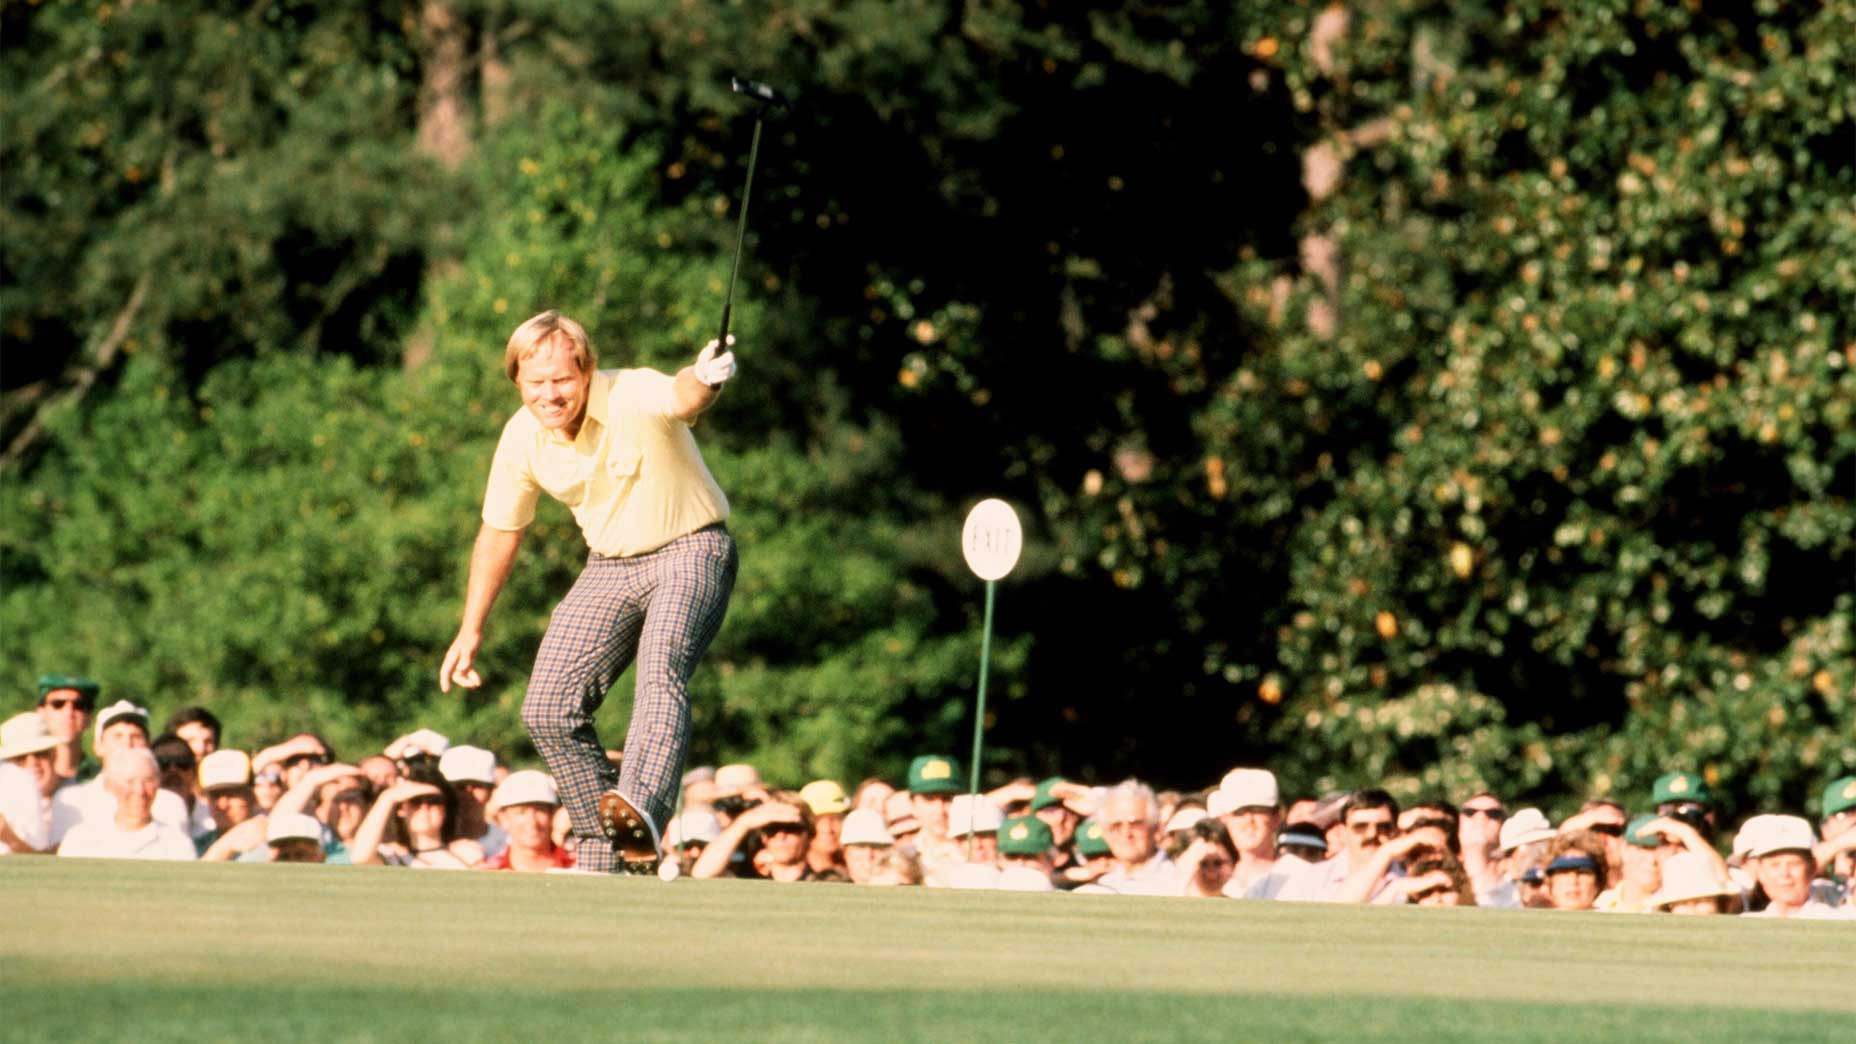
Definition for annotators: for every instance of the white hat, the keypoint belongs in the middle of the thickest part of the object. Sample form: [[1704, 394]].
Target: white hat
[[292, 826], [1689, 875], [863, 826], [433, 743], [1524, 828], [733, 779], [225, 768], [973, 814], [1251, 788], [1782, 834], [117, 711], [692, 828], [463, 764], [1749, 835], [25, 734], [1185, 819], [1220, 803], [527, 787]]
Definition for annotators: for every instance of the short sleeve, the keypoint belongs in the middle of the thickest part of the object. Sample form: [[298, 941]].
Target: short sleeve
[[509, 497], [645, 392]]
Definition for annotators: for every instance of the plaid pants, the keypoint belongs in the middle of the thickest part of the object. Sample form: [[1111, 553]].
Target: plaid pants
[[661, 608]]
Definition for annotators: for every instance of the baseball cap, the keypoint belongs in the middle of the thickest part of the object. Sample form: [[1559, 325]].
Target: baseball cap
[[934, 774], [825, 798], [1044, 798], [466, 764], [1636, 835], [50, 683], [1184, 819], [1025, 836], [693, 828], [1251, 788], [225, 768], [292, 826], [527, 787], [864, 827], [25, 734], [1524, 828], [973, 814], [1572, 861], [1688, 875], [1680, 786], [1781, 834], [1839, 796], [1089, 840], [1302, 835], [733, 779], [116, 712]]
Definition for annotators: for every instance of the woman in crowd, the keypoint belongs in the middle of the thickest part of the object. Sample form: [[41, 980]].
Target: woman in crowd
[[414, 823]]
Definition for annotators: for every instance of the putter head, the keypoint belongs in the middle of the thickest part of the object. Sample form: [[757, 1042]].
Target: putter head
[[759, 92]]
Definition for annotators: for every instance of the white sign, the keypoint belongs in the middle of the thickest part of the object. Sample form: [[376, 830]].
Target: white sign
[[992, 539]]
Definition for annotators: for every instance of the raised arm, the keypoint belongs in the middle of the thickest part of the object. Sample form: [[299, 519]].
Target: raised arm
[[491, 559], [698, 384]]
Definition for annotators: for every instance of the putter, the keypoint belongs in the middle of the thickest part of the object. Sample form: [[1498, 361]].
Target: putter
[[765, 97]]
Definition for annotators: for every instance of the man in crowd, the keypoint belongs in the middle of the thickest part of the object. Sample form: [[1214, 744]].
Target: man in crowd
[[1523, 848], [866, 843], [934, 779], [1478, 835], [828, 802], [198, 726], [1836, 853], [180, 777], [225, 789], [471, 771], [1249, 804], [616, 448], [67, 703], [523, 805], [1025, 844], [293, 837], [1784, 866], [129, 830], [1685, 796], [1130, 817], [28, 779], [119, 727], [1049, 804]]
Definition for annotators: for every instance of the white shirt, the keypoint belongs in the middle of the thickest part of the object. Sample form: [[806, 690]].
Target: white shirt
[[1814, 909], [105, 840], [1296, 880], [90, 803], [1024, 879], [1157, 876], [27, 813]]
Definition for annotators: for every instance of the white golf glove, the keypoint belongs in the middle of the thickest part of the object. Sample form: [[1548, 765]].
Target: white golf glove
[[712, 369]]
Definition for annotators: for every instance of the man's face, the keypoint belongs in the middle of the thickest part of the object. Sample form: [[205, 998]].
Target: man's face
[[1786, 877], [1368, 828], [530, 827], [931, 812], [554, 389], [1479, 827], [1062, 823], [66, 713], [230, 806], [864, 861], [1253, 828], [119, 735], [1643, 868], [134, 793], [1129, 832], [38, 765], [200, 737], [784, 843], [985, 849]]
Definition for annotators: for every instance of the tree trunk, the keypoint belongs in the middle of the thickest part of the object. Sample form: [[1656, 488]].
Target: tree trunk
[[444, 132]]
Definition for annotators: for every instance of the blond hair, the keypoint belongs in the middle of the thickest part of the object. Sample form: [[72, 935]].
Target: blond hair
[[545, 331]]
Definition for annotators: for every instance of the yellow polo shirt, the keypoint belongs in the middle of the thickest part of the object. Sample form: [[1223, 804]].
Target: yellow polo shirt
[[632, 477]]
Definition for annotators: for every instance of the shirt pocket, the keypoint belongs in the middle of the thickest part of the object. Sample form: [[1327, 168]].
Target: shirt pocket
[[623, 461]]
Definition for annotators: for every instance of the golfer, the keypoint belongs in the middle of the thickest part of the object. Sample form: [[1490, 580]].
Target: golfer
[[615, 447]]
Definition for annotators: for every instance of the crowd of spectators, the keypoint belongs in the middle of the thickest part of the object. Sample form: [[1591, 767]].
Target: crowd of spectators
[[425, 803]]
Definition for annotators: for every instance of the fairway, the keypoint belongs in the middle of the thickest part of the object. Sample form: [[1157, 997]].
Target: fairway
[[93, 949]]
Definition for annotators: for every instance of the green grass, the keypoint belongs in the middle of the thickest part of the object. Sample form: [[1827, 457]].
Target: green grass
[[95, 949]]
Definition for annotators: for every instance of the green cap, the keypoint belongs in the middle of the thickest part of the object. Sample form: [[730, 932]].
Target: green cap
[[1839, 796], [1025, 836], [1044, 798], [50, 683], [1680, 786], [934, 774], [1635, 834], [1089, 840]]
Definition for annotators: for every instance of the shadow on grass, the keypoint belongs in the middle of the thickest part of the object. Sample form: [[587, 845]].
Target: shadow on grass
[[485, 1012]]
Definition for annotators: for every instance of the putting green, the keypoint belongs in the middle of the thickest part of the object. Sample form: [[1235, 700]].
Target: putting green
[[195, 952]]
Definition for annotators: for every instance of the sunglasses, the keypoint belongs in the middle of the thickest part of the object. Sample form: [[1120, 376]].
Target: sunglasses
[[424, 801], [1491, 813], [1608, 829], [782, 828], [1418, 897], [312, 759], [175, 764], [1372, 829], [83, 705]]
